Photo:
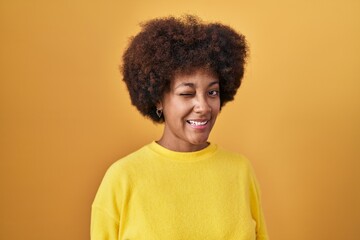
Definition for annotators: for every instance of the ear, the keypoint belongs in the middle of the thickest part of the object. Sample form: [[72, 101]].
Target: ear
[[159, 105]]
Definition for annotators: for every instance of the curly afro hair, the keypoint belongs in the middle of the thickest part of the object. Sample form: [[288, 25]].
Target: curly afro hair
[[168, 46]]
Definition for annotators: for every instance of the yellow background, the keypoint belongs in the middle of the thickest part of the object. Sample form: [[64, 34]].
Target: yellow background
[[66, 116]]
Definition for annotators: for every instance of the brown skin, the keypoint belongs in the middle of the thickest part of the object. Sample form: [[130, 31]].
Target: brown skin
[[166, 47], [190, 110]]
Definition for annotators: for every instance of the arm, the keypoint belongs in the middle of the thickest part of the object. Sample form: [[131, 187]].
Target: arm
[[256, 208], [105, 214]]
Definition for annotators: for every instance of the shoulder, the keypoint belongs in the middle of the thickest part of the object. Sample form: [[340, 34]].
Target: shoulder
[[233, 157], [234, 161], [131, 162], [119, 176]]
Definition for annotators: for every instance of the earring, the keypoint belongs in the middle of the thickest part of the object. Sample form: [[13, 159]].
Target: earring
[[159, 112]]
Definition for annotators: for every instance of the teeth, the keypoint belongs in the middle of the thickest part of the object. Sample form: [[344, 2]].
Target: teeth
[[197, 123]]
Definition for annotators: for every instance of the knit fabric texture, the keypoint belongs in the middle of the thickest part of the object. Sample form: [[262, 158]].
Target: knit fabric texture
[[158, 194]]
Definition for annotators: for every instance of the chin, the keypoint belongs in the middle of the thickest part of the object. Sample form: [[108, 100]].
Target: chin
[[199, 142]]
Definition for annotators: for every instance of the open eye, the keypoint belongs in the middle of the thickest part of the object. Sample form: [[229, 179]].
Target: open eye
[[214, 93]]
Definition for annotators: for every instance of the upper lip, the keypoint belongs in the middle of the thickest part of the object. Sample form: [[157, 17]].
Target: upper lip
[[198, 120]]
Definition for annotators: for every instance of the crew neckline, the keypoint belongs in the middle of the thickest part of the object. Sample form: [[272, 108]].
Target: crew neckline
[[183, 156]]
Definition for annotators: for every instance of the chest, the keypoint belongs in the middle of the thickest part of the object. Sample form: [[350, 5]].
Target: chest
[[188, 204]]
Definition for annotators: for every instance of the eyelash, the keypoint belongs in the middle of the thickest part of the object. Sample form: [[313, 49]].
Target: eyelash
[[212, 93]]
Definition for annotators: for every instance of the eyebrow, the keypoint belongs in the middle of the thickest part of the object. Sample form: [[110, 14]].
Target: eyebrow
[[192, 85]]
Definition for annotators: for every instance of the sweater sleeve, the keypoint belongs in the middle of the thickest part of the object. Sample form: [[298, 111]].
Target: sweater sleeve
[[105, 212], [103, 225], [256, 208]]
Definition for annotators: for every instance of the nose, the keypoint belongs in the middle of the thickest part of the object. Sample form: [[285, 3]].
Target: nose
[[201, 105]]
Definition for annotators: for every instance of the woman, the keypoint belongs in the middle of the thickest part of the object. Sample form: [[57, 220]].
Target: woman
[[181, 72]]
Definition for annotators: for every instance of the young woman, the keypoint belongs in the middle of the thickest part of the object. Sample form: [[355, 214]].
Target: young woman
[[181, 72]]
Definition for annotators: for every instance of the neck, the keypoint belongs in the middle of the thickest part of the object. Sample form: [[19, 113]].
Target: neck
[[182, 147]]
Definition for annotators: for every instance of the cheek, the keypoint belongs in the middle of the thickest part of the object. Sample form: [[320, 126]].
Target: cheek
[[182, 107], [177, 111], [184, 111], [216, 106]]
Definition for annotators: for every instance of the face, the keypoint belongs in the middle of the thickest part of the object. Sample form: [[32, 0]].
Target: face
[[190, 109]]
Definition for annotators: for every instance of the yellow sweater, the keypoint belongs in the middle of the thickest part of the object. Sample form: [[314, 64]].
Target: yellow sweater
[[158, 194]]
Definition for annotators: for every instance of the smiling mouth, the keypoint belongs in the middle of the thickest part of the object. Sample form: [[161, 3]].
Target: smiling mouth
[[197, 123]]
